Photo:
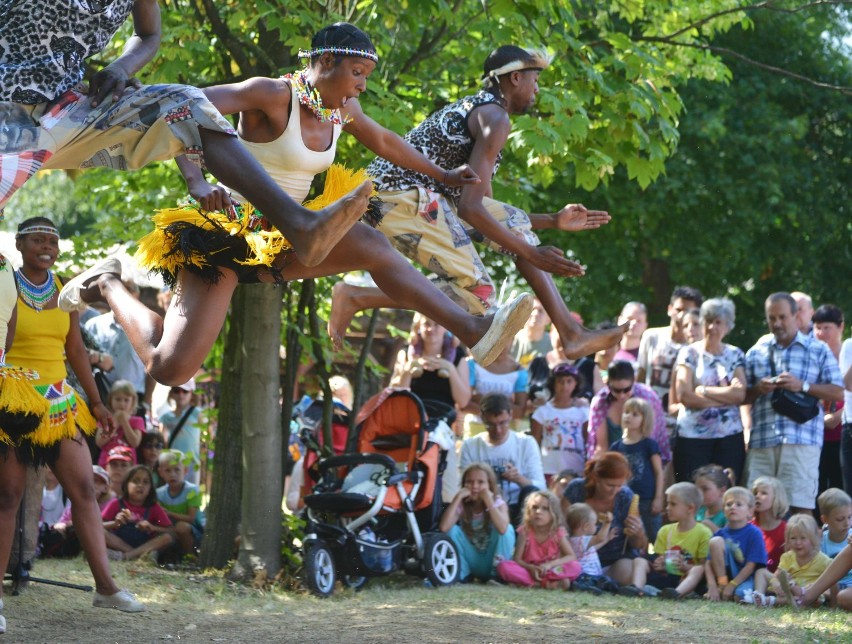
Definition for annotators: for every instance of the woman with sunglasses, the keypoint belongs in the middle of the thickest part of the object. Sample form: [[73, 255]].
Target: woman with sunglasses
[[608, 406], [180, 426]]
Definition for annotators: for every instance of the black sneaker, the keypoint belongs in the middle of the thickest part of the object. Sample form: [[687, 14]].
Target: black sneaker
[[630, 591], [670, 593], [586, 586]]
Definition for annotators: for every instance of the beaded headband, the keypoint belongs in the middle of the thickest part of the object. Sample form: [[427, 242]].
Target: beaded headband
[[540, 59], [41, 228], [345, 51]]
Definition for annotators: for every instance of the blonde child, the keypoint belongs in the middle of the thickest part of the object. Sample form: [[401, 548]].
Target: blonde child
[[643, 454], [835, 508], [800, 565], [681, 548], [736, 551], [477, 521], [770, 508], [122, 402], [713, 481], [587, 532], [542, 552], [181, 500], [560, 424], [135, 523]]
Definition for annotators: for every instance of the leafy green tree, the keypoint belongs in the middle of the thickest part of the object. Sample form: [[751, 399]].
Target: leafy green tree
[[608, 117]]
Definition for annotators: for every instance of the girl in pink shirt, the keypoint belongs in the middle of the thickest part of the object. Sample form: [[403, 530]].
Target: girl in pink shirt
[[542, 552]]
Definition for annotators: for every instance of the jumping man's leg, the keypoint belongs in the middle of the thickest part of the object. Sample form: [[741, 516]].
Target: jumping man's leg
[[577, 340], [172, 349], [312, 233], [365, 248]]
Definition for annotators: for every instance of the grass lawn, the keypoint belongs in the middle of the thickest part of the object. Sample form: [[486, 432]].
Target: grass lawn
[[199, 607]]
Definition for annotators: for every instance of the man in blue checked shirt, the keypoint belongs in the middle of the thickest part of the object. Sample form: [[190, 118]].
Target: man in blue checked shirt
[[778, 446]]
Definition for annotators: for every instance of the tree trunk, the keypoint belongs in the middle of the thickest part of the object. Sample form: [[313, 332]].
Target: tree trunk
[[260, 544], [223, 511]]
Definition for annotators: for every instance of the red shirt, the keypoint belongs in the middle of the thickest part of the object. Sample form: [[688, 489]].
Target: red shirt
[[774, 540], [156, 514]]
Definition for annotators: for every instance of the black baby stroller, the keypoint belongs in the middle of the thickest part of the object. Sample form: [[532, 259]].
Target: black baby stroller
[[376, 510]]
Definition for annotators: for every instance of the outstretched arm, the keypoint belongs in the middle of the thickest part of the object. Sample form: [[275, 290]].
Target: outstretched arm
[[490, 126], [389, 145], [572, 217], [140, 49]]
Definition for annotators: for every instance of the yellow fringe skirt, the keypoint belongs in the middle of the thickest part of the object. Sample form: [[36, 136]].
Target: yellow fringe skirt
[[22, 408], [65, 417], [240, 239]]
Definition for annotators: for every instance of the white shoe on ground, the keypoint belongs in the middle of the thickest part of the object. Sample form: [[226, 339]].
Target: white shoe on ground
[[507, 321], [70, 298], [122, 600]]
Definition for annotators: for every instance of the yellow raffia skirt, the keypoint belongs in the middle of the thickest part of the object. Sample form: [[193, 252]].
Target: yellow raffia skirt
[[22, 408], [240, 239]]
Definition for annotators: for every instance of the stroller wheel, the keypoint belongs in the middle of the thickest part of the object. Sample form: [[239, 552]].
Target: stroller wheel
[[440, 559], [354, 581], [319, 570]]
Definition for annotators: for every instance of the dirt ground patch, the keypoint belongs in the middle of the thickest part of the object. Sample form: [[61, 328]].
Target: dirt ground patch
[[192, 607]]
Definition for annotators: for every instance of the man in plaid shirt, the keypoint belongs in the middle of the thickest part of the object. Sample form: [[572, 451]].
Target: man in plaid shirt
[[778, 446]]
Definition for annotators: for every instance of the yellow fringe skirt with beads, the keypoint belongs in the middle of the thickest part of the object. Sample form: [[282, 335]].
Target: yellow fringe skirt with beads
[[241, 239]]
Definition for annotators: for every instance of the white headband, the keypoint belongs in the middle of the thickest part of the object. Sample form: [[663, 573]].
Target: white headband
[[39, 228], [540, 60]]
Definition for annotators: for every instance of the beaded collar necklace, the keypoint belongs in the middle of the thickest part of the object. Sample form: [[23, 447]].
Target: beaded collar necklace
[[35, 296], [310, 98]]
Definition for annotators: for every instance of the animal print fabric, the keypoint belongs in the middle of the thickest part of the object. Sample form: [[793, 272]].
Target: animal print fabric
[[44, 43], [444, 138]]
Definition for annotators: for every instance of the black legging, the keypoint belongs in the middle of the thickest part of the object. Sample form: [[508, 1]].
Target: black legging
[[692, 453]]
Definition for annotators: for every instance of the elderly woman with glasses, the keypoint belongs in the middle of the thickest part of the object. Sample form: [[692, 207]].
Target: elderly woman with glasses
[[608, 405], [710, 385]]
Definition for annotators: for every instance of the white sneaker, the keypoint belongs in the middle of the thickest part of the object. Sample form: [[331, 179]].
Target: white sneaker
[[506, 322], [70, 298], [123, 600]]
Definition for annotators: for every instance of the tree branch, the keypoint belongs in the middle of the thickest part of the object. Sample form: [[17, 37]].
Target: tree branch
[[767, 4], [750, 61]]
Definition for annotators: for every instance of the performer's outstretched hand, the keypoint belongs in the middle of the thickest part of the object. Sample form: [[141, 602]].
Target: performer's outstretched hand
[[461, 176], [552, 260], [575, 217]]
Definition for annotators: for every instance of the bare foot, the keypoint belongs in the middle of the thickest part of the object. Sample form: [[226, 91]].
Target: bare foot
[[314, 243], [587, 342], [343, 309]]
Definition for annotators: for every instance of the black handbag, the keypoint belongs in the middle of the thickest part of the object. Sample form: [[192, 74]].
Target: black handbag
[[795, 405]]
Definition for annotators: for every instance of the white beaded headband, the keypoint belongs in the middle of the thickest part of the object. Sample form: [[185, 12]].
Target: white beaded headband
[[540, 59], [345, 51], [41, 228]]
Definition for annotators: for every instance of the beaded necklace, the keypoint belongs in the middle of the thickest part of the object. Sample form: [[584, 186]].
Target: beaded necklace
[[310, 98], [35, 295]]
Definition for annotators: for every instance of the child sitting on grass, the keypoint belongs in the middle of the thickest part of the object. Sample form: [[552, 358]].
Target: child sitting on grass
[[770, 508], [840, 566], [135, 523], [181, 500], [677, 567], [800, 565], [736, 551], [713, 481], [542, 552], [835, 508]]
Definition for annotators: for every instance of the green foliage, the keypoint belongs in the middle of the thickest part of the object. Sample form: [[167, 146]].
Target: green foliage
[[292, 535]]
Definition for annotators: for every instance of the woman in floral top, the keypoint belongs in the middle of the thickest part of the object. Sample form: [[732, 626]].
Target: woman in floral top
[[710, 384]]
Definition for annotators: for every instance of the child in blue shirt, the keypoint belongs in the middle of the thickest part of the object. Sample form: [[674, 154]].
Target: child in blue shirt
[[835, 508], [643, 454], [736, 551], [181, 500]]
